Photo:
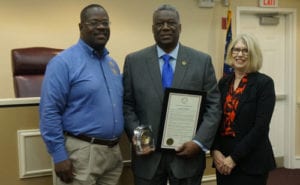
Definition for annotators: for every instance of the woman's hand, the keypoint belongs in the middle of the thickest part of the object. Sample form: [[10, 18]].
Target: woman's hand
[[218, 159], [228, 165]]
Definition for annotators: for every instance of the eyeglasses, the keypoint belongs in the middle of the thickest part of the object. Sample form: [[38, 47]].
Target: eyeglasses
[[170, 24], [236, 51], [96, 23]]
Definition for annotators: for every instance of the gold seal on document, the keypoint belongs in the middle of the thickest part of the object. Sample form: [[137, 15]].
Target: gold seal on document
[[170, 141]]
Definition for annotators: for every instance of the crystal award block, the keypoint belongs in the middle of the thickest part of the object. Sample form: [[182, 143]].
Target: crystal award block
[[144, 139]]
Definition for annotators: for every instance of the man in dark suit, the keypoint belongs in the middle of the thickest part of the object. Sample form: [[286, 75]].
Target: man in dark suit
[[143, 100]]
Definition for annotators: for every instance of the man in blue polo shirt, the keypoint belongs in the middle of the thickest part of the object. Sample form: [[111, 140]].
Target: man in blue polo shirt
[[81, 117]]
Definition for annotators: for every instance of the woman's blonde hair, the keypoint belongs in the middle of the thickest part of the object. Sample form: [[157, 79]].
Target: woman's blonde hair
[[255, 57]]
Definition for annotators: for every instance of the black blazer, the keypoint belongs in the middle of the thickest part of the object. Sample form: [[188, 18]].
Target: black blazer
[[251, 148]]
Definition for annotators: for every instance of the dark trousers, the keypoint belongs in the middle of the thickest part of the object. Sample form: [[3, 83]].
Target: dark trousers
[[164, 174]]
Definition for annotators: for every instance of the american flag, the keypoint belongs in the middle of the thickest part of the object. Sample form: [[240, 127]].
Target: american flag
[[227, 69]]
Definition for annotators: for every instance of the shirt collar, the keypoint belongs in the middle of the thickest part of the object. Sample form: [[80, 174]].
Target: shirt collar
[[173, 53], [90, 50]]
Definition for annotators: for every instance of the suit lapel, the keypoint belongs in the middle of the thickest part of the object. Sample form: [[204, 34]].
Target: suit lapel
[[152, 63], [246, 93], [226, 87], [182, 64], [154, 71]]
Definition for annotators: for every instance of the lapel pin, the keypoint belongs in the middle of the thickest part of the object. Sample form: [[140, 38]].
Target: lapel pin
[[183, 63]]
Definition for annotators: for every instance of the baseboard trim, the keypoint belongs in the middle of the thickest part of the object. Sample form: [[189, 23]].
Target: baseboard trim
[[279, 161], [208, 178]]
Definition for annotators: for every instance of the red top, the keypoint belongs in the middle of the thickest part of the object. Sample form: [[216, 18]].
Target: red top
[[230, 106]]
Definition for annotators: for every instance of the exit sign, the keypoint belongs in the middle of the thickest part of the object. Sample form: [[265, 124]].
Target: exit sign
[[268, 3]]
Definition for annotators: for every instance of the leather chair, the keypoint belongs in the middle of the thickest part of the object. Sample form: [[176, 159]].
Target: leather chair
[[29, 65]]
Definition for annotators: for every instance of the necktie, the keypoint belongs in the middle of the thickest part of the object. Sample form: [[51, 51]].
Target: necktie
[[167, 72]]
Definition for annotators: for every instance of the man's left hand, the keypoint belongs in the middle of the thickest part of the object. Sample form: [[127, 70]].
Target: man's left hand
[[188, 149]]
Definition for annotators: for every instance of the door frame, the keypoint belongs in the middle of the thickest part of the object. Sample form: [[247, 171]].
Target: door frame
[[290, 158]]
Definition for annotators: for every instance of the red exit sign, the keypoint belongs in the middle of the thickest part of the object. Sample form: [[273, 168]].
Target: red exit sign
[[268, 3]]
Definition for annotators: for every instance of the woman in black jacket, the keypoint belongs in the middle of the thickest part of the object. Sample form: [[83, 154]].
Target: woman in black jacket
[[242, 151]]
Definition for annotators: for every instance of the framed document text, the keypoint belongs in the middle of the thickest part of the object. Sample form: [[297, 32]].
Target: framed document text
[[181, 116]]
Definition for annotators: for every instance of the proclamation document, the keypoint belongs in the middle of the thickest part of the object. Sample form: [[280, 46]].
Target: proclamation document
[[181, 117]]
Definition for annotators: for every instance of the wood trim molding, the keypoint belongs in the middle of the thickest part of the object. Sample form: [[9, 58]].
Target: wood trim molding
[[17, 102], [34, 160]]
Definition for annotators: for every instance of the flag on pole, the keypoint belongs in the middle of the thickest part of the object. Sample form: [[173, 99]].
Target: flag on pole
[[226, 68]]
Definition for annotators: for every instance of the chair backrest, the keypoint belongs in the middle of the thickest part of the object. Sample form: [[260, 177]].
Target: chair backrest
[[29, 65]]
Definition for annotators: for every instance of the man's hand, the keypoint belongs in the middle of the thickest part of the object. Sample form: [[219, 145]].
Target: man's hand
[[188, 149], [142, 151], [64, 170]]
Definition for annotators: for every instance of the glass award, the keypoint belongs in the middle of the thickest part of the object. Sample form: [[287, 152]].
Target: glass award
[[144, 139]]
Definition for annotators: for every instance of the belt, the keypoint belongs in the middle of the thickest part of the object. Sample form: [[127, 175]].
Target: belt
[[108, 142]]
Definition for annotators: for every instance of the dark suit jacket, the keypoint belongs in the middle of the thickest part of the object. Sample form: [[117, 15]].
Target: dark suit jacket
[[251, 148], [143, 100]]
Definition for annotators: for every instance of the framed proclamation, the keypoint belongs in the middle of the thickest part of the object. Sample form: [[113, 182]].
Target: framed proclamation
[[181, 116]]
